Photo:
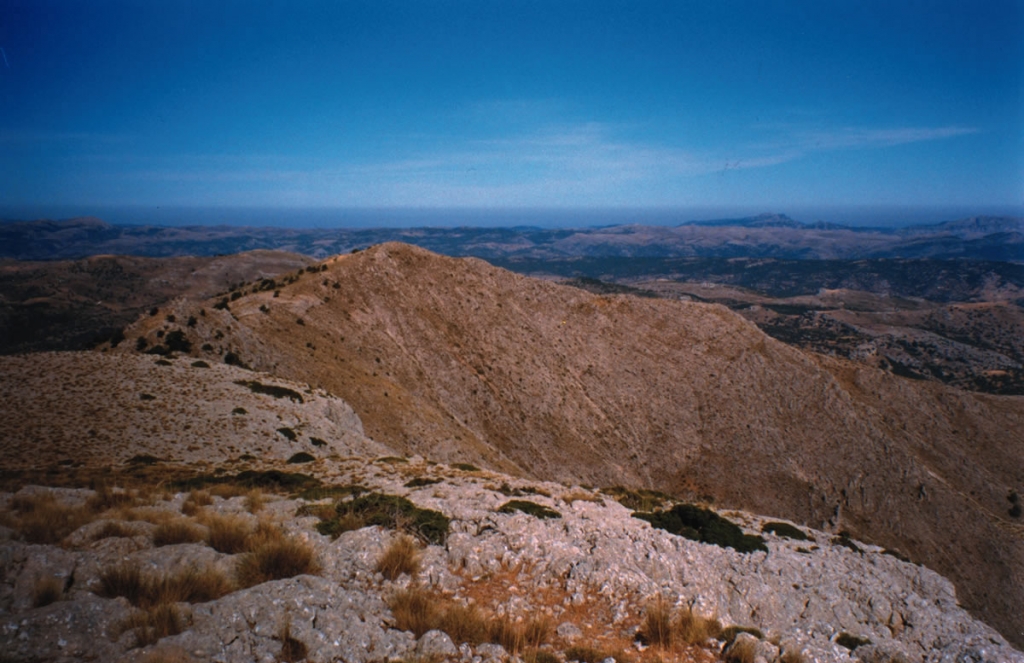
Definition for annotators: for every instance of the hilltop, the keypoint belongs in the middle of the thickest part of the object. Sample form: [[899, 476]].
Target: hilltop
[[459, 361]]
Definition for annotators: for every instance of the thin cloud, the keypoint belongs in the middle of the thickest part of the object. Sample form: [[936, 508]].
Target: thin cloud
[[859, 137]]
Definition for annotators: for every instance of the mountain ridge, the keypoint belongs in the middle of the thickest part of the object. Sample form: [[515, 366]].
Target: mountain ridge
[[459, 360], [767, 235]]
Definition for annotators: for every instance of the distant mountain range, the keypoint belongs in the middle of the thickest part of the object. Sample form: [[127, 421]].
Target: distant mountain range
[[762, 236]]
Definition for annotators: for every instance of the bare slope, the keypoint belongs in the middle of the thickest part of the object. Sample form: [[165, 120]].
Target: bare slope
[[461, 361], [85, 408]]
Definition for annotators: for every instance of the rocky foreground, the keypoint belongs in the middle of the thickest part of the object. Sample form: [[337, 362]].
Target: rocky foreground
[[553, 572]]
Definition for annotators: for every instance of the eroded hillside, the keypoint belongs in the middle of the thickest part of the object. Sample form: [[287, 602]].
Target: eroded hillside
[[460, 361]]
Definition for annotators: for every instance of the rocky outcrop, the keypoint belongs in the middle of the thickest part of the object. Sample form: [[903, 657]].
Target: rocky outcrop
[[591, 572]]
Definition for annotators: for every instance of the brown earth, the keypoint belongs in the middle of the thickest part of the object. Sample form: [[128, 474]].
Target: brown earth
[[461, 361]]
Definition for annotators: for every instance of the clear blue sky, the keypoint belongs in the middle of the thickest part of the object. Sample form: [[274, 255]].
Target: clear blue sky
[[512, 104]]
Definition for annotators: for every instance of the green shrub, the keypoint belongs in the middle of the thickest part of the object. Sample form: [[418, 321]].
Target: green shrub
[[786, 530], [390, 511], [466, 467], [301, 457], [704, 525], [177, 342], [317, 442], [272, 480], [419, 482], [851, 641], [530, 508], [638, 500], [288, 433], [323, 492], [271, 390], [844, 540], [143, 459]]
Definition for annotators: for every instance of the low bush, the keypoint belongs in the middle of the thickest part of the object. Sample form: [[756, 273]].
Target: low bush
[[301, 457], [271, 389], [273, 480], [288, 434], [390, 511], [786, 530], [419, 482], [466, 467], [529, 508], [638, 500], [704, 525], [851, 641]]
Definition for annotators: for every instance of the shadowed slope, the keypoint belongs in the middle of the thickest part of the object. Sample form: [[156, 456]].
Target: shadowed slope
[[461, 361]]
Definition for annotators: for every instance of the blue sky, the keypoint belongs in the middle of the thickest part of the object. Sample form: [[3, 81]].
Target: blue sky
[[486, 104]]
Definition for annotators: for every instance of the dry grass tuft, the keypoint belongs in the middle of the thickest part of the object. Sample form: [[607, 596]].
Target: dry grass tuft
[[255, 500], [694, 629], [516, 636], [176, 531], [191, 585], [113, 529], [195, 501], [581, 496], [741, 651], [272, 556], [657, 625], [157, 622], [227, 534], [417, 610], [464, 624], [402, 556], [792, 656], [122, 580], [168, 655], [47, 590], [42, 519], [585, 654], [107, 498], [292, 650]]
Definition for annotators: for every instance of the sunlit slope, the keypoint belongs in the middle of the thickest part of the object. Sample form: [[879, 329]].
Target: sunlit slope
[[460, 361]]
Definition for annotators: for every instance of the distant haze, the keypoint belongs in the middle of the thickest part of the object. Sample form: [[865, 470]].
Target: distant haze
[[860, 216]]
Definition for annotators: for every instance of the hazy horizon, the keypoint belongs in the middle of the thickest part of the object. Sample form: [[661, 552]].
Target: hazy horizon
[[361, 218]]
